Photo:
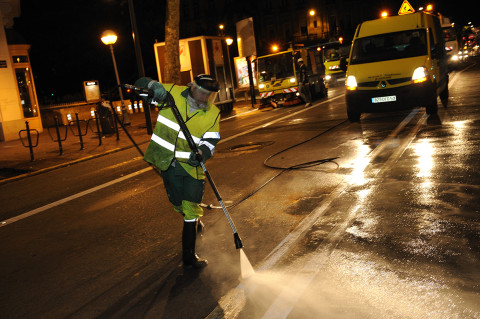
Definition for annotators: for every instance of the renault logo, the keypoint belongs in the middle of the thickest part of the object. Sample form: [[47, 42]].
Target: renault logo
[[383, 84]]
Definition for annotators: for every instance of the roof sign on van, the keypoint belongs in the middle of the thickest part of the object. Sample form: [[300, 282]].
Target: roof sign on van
[[406, 8]]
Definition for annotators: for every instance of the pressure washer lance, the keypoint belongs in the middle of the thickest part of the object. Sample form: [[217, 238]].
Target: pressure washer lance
[[171, 103]]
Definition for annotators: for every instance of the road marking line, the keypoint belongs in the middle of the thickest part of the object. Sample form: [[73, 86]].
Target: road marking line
[[72, 197], [115, 181], [236, 115], [284, 303], [231, 302], [278, 120]]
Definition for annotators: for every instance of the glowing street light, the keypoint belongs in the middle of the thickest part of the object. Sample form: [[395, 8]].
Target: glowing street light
[[274, 48], [221, 30], [311, 12], [109, 38]]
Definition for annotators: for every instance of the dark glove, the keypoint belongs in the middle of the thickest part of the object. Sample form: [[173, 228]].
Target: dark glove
[[192, 160], [158, 92]]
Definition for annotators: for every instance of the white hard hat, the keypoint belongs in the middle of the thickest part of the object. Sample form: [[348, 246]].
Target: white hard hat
[[300, 60]]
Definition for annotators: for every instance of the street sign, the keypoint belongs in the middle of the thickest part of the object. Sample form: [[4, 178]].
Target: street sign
[[406, 8], [92, 91]]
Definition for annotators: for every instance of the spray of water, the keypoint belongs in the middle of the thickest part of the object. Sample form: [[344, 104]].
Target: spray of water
[[352, 286], [245, 265]]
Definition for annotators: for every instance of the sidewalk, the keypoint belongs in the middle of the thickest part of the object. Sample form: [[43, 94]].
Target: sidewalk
[[16, 163]]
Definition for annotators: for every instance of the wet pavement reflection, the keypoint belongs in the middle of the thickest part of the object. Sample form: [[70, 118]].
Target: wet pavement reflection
[[402, 240]]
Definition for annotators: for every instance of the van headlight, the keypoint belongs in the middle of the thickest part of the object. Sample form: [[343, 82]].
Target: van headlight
[[261, 86], [292, 80], [351, 83], [420, 75]]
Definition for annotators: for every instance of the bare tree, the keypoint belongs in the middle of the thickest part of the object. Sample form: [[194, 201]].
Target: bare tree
[[172, 58]]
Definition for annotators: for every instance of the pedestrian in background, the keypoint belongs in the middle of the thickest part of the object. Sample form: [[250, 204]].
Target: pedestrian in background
[[183, 177], [303, 89]]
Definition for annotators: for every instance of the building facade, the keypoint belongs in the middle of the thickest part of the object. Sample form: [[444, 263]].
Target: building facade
[[284, 23], [18, 99]]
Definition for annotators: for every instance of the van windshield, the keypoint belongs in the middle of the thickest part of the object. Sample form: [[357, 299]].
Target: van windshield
[[389, 46], [275, 66], [449, 34]]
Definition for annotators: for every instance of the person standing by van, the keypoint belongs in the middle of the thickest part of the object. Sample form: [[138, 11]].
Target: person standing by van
[[302, 83]]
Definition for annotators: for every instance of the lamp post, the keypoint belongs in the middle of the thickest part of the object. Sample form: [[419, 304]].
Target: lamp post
[[229, 42], [109, 38]]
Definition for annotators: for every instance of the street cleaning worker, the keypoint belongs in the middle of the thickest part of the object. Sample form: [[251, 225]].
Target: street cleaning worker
[[303, 90], [183, 177]]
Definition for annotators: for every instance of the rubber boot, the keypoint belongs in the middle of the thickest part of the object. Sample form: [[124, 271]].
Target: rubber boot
[[190, 258]]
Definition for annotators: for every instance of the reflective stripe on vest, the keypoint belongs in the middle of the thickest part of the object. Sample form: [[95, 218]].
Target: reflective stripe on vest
[[168, 141], [174, 126], [169, 146]]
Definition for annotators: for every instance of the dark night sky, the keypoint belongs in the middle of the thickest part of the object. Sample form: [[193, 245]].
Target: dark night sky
[[65, 41], [67, 50]]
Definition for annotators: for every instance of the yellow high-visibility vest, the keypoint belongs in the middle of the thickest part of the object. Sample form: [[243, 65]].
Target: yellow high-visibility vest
[[168, 141]]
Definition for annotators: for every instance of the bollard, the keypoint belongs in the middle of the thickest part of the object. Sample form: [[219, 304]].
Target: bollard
[[79, 132], [29, 139], [99, 132], [59, 140], [116, 125]]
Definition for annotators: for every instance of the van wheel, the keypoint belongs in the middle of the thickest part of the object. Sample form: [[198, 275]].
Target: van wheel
[[433, 107], [353, 116]]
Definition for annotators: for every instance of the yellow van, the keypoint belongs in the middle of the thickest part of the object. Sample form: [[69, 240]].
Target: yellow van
[[397, 63]]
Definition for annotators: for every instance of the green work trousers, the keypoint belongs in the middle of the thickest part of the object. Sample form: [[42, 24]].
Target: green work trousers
[[184, 192]]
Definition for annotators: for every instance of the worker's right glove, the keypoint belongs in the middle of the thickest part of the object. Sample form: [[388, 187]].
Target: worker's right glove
[[192, 160]]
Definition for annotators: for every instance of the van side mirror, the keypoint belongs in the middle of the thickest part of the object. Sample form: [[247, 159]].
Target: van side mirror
[[343, 64], [438, 52]]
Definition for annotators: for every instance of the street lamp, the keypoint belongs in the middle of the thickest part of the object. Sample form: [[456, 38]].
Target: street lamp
[[109, 38], [221, 30], [229, 42]]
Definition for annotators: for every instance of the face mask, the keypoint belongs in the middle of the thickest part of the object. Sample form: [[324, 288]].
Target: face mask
[[200, 95]]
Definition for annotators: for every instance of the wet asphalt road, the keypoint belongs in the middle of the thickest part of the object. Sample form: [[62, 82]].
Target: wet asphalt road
[[390, 228], [400, 238]]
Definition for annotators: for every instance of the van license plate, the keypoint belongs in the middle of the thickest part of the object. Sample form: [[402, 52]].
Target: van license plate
[[382, 99]]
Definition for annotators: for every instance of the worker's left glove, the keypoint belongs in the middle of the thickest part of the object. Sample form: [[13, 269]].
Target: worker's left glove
[[157, 92], [192, 160]]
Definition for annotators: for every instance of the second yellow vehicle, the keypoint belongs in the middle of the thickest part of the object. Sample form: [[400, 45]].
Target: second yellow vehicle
[[397, 63], [277, 77]]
